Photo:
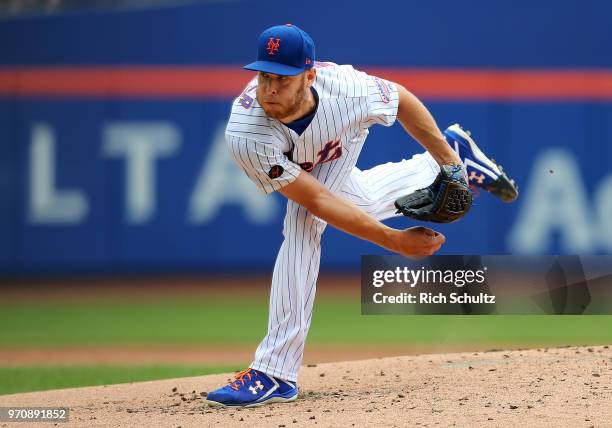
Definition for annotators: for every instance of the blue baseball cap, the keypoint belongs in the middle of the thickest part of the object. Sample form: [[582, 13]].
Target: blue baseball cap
[[285, 50]]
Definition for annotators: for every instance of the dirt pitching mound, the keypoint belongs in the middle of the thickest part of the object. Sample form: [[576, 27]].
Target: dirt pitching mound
[[539, 387]]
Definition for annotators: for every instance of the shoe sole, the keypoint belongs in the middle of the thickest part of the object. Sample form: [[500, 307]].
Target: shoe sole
[[257, 404], [504, 189], [457, 133]]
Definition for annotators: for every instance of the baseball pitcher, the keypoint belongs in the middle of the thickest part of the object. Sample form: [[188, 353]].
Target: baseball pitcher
[[298, 129]]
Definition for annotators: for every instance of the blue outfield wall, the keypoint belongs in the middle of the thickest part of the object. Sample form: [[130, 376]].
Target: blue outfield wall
[[128, 184]]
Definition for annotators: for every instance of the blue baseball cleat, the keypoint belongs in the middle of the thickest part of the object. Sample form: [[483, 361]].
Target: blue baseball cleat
[[481, 171], [252, 388]]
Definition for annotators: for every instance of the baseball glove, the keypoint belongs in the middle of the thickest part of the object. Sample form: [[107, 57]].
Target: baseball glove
[[446, 200]]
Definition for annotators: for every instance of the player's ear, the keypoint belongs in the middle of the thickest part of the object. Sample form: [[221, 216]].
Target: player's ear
[[310, 76]]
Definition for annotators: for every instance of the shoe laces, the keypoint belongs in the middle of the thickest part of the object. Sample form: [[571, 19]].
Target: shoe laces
[[240, 378]]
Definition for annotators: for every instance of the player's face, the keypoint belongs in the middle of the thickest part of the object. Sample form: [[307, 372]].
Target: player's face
[[281, 96]]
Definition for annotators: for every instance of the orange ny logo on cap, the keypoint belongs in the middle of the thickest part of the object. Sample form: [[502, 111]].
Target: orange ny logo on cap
[[273, 45]]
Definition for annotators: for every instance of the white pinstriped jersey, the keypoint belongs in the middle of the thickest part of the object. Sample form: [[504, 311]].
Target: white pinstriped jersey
[[272, 154]]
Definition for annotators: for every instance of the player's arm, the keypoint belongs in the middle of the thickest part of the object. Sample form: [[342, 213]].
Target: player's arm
[[344, 215], [420, 124]]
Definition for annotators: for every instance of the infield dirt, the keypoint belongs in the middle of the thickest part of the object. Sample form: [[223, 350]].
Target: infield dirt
[[540, 387]]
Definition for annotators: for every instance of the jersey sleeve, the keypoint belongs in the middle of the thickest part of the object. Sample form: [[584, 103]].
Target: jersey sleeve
[[382, 100], [264, 163]]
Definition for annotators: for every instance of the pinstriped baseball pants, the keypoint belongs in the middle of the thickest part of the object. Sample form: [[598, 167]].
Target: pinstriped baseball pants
[[296, 268]]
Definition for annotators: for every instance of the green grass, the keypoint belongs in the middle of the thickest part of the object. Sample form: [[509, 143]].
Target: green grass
[[238, 320], [32, 378], [242, 320]]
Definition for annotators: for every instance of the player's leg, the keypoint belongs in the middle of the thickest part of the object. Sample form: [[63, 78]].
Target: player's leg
[[279, 355], [376, 189], [292, 296]]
